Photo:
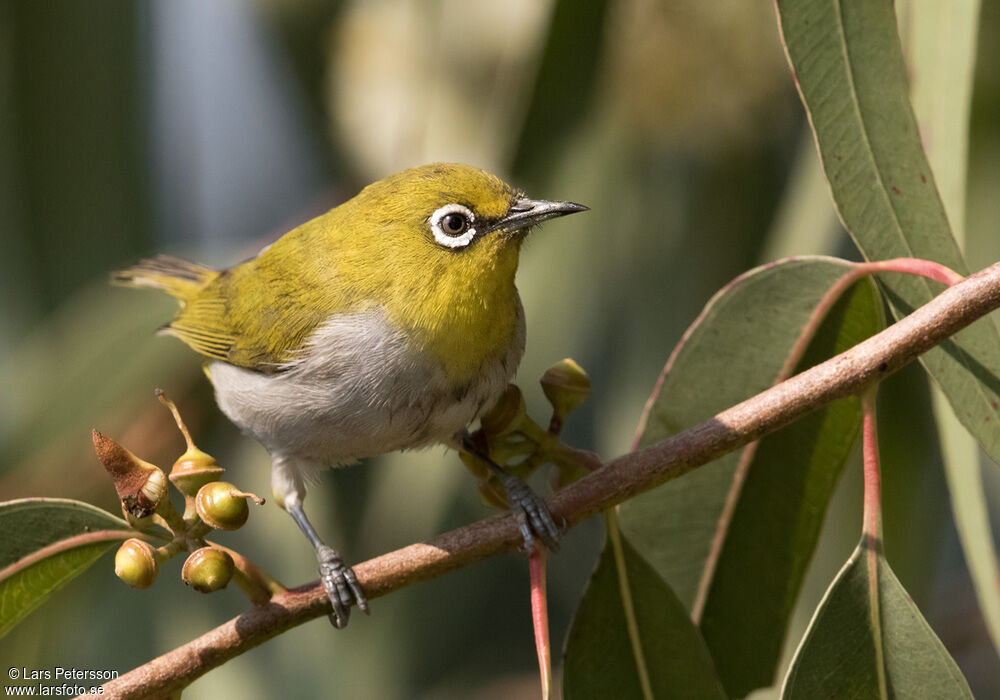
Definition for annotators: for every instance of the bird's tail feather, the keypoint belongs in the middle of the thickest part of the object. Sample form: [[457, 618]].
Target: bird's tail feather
[[178, 278]]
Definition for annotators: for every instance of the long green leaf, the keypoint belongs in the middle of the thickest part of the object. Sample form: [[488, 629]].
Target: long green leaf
[[849, 67], [734, 349], [46, 543], [939, 37], [632, 638], [868, 640], [776, 523], [734, 538]]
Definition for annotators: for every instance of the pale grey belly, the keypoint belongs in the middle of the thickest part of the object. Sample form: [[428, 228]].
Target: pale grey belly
[[359, 392]]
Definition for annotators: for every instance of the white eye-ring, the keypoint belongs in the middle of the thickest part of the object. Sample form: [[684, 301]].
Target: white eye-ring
[[452, 226]]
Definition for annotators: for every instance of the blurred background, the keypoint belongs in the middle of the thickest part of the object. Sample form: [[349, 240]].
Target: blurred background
[[207, 129]]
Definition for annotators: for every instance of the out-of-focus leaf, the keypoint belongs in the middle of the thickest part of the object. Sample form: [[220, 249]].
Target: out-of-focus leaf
[[566, 76], [46, 543], [960, 455], [804, 222], [80, 144], [868, 640], [304, 30], [109, 361], [939, 38], [739, 566], [917, 520], [849, 67], [632, 638]]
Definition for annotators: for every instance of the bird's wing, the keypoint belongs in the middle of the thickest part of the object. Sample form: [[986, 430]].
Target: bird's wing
[[204, 326], [248, 318]]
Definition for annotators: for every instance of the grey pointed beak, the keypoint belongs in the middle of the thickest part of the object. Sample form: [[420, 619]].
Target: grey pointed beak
[[528, 212]]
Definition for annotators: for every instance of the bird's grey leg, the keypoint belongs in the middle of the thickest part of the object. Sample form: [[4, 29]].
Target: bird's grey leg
[[533, 516], [340, 583], [338, 579]]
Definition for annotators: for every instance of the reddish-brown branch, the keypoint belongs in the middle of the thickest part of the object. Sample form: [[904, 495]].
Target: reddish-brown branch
[[844, 375]]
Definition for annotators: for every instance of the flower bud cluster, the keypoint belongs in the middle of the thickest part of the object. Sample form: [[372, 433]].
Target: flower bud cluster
[[210, 504], [513, 440]]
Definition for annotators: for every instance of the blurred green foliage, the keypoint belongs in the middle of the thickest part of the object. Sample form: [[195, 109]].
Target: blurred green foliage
[[680, 128]]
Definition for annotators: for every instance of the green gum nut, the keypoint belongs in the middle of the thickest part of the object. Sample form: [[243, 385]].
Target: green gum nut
[[135, 563], [222, 505], [566, 386], [208, 570], [194, 469]]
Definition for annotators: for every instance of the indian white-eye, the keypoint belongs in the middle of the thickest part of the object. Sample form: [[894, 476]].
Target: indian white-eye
[[389, 322]]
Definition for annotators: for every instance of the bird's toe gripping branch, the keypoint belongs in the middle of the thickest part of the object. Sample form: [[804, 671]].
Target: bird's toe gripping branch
[[533, 516], [509, 445], [341, 586], [338, 579]]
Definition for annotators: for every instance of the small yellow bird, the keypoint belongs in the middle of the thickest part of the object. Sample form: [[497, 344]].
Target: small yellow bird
[[390, 322]]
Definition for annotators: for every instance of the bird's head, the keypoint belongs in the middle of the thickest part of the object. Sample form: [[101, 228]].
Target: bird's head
[[449, 217]]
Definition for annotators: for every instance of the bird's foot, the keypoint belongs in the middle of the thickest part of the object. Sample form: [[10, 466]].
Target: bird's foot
[[533, 516], [341, 586]]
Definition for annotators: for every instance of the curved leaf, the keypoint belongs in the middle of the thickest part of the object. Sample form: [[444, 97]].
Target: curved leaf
[[868, 640], [849, 67], [734, 538], [47, 542], [939, 37], [610, 629]]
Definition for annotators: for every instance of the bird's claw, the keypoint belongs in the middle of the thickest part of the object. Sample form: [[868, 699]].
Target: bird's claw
[[341, 586], [533, 516]]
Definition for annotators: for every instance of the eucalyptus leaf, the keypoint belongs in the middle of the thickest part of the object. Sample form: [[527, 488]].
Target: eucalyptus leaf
[[769, 541], [939, 39], [868, 640], [849, 67], [634, 640], [103, 342], [735, 539], [47, 542]]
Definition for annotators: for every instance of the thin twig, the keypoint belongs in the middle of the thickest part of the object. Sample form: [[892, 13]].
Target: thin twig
[[872, 527], [844, 375]]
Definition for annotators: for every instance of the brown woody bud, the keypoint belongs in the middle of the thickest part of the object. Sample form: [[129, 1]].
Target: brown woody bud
[[143, 523], [208, 570], [135, 563], [140, 485]]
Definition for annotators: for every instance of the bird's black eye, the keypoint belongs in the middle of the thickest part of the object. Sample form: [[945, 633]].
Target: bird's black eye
[[454, 224]]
